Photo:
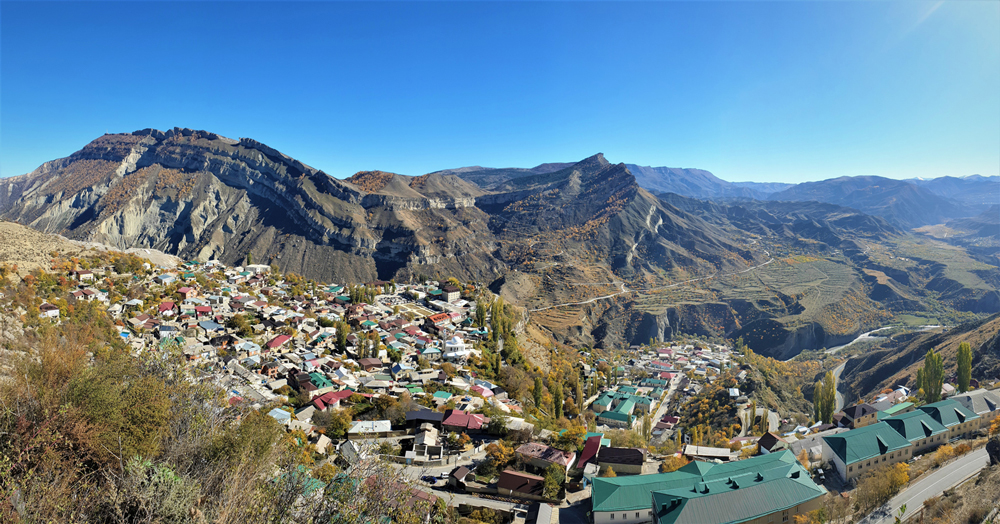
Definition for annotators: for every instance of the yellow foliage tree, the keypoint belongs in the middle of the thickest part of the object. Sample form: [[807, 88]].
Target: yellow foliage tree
[[672, 463]]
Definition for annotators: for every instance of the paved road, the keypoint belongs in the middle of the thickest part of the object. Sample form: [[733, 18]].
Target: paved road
[[930, 485], [836, 386]]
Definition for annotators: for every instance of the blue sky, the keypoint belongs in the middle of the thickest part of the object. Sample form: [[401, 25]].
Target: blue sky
[[781, 91]]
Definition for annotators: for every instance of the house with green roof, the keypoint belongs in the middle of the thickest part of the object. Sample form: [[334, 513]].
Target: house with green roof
[[615, 418], [603, 403], [857, 451], [443, 395], [604, 441], [920, 429], [702, 492], [960, 420], [610, 400], [897, 409]]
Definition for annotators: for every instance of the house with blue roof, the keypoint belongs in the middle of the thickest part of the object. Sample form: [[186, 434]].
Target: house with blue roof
[[282, 416]]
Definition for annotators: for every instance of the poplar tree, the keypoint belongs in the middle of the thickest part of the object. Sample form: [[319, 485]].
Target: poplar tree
[[818, 401], [964, 366], [557, 400], [829, 397], [933, 376]]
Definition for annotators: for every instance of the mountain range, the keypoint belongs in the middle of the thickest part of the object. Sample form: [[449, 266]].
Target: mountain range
[[598, 253]]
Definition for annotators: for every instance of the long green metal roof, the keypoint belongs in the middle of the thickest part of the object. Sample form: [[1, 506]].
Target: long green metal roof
[[865, 443], [734, 502], [949, 412], [915, 425], [634, 492]]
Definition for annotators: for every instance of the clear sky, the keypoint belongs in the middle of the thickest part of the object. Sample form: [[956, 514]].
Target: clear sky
[[779, 91]]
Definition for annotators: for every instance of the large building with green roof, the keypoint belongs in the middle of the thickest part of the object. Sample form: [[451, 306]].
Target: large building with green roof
[[859, 450], [705, 493], [920, 429], [959, 419]]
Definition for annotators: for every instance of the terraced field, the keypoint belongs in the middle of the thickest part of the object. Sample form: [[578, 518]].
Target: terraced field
[[959, 266], [816, 284]]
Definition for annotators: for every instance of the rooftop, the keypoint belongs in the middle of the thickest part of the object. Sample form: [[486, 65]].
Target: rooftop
[[866, 443], [766, 471]]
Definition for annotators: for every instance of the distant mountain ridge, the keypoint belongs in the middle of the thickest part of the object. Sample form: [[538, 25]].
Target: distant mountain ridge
[[903, 203], [906, 203], [200, 195], [593, 254]]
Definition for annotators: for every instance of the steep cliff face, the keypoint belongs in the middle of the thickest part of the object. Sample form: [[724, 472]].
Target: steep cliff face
[[200, 195]]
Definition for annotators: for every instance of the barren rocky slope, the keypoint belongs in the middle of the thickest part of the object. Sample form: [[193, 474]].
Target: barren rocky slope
[[594, 257]]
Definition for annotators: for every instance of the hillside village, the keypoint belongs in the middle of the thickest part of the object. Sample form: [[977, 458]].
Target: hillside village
[[394, 372]]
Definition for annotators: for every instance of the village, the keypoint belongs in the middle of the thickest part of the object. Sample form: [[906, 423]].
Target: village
[[385, 371]]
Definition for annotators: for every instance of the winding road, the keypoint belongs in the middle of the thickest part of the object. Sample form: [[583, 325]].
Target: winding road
[[930, 485]]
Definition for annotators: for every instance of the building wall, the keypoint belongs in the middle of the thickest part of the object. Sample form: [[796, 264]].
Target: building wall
[[788, 516], [926, 444], [623, 517], [857, 469], [622, 469], [986, 418], [781, 517], [964, 429], [866, 420]]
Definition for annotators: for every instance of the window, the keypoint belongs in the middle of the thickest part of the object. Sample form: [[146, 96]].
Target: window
[[636, 514], [850, 468], [612, 516]]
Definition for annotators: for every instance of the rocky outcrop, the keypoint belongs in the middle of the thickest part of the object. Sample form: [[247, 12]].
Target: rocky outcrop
[[200, 195]]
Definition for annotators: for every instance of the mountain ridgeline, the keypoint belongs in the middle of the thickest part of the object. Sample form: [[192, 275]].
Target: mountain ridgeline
[[598, 253], [200, 195]]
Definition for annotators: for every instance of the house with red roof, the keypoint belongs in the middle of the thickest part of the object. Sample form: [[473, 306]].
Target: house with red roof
[[278, 342], [439, 319], [459, 421], [331, 400], [167, 309]]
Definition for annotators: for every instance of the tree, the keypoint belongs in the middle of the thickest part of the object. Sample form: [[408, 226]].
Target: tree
[[964, 366], [818, 401], [672, 463], [829, 397], [647, 426], [480, 316], [538, 392], [804, 459], [343, 329], [879, 485], [609, 472], [557, 399], [499, 454], [932, 376], [554, 478], [571, 439]]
